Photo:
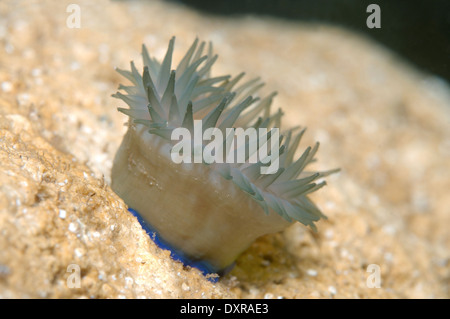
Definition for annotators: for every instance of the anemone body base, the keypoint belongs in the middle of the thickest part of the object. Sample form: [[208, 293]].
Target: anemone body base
[[192, 207]]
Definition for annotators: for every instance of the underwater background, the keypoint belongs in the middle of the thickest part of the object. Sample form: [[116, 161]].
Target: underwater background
[[418, 31]]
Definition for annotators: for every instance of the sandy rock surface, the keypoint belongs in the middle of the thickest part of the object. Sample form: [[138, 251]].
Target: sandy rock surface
[[386, 125]]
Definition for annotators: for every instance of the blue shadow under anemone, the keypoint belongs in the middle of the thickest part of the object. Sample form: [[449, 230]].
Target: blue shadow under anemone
[[206, 268]]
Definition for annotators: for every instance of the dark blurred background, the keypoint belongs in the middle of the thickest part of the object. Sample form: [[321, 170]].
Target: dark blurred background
[[417, 30]]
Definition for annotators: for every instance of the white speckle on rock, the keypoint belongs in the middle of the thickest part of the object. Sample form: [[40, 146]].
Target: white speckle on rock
[[7, 86], [254, 291], [311, 272], [95, 234], [330, 205], [72, 227], [9, 48], [23, 99], [63, 214], [129, 282], [185, 287], [78, 252], [389, 229], [265, 263], [329, 234], [4, 270], [346, 254], [332, 290], [389, 257], [75, 66], [86, 129], [36, 72], [101, 276]]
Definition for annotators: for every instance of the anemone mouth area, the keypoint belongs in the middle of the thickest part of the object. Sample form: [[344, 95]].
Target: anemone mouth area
[[192, 208]]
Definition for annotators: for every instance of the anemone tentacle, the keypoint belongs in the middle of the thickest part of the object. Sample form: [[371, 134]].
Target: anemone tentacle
[[164, 98]]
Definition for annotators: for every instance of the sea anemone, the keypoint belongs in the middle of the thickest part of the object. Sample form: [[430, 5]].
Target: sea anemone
[[209, 212]]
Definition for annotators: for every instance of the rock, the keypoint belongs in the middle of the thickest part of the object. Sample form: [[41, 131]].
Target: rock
[[95, 241], [382, 122]]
